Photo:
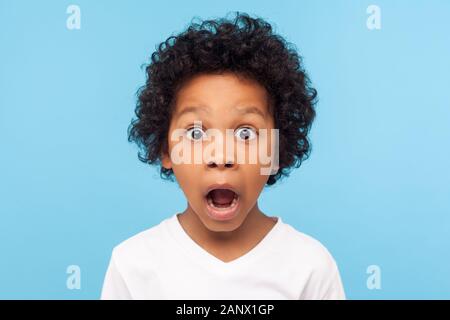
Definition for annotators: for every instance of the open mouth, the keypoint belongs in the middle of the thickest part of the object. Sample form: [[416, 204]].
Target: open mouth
[[222, 204], [222, 198]]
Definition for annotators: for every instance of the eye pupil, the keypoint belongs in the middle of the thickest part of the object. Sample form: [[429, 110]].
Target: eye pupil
[[196, 134], [245, 134]]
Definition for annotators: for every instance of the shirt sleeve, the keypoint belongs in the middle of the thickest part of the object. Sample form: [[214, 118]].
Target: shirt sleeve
[[335, 289], [114, 286], [324, 283]]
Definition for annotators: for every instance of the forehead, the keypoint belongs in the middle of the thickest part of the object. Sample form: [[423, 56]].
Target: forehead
[[221, 92]]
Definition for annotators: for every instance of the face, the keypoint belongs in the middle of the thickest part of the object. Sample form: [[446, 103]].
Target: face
[[218, 118]]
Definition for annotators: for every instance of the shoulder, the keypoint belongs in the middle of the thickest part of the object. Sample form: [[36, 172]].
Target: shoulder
[[307, 250], [133, 262], [322, 277], [140, 247]]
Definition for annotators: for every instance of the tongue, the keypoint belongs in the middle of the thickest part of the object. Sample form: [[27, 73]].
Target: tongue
[[222, 196]]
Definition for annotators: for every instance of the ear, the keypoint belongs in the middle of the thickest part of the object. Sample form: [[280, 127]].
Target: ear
[[166, 161]]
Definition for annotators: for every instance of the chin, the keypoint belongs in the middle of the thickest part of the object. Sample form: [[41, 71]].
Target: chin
[[222, 226]]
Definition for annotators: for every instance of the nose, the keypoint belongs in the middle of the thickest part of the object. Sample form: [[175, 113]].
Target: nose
[[214, 164], [221, 160], [222, 154]]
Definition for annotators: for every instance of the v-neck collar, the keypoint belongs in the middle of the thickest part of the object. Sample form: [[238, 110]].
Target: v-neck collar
[[202, 256]]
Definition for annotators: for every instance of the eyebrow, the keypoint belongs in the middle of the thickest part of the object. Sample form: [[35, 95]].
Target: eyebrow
[[251, 109], [240, 110], [192, 109]]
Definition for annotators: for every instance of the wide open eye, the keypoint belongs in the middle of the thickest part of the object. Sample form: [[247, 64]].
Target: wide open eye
[[195, 133], [246, 133]]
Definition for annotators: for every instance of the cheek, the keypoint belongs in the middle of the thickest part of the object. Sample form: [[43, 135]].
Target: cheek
[[185, 173], [187, 179], [183, 152], [254, 180]]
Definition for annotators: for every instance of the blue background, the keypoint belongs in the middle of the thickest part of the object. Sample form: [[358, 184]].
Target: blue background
[[374, 191]]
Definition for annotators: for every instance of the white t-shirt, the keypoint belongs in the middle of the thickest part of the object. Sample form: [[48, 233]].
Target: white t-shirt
[[164, 262]]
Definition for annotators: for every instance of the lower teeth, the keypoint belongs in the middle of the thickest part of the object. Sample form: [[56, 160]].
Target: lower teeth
[[211, 203]]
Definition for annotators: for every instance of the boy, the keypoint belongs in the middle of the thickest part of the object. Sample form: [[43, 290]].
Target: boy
[[234, 77]]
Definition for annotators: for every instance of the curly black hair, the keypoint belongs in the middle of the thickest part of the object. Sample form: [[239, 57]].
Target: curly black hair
[[245, 46]]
